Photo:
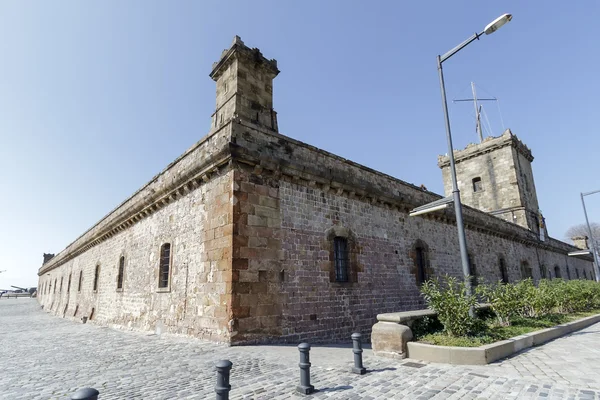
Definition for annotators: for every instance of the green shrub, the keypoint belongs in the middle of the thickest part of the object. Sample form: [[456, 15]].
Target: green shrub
[[450, 301], [504, 300]]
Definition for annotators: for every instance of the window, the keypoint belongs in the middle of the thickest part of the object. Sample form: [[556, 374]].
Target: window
[[557, 272], [54, 285], [420, 256], [69, 285], [340, 252], [542, 271], [503, 270], [61, 281], [164, 266], [526, 271], [120, 274], [80, 277], [477, 185], [577, 272], [472, 271], [96, 276]]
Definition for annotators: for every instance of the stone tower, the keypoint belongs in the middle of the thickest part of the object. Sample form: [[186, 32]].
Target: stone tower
[[495, 176], [244, 87]]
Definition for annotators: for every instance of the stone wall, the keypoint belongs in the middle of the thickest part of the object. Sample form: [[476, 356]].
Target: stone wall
[[295, 195], [195, 217]]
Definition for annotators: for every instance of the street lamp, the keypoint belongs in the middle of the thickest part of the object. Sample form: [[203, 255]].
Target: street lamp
[[594, 252], [490, 28]]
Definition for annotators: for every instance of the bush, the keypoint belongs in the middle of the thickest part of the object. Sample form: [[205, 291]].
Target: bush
[[504, 300], [451, 303]]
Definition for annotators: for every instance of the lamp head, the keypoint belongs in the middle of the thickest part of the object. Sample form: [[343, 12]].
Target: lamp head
[[497, 23]]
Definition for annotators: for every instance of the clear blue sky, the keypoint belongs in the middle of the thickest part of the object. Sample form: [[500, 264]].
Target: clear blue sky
[[97, 97]]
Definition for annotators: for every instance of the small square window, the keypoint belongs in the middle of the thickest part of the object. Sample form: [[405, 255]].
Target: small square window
[[477, 185]]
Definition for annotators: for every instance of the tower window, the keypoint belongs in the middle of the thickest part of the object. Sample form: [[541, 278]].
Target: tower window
[[164, 266], [120, 273], [477, 185], [340, 251]]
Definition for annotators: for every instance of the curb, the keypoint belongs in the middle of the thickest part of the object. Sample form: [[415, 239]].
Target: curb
[[491, 352]]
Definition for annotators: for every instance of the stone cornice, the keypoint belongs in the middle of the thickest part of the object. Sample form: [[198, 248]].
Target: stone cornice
[[203, 161], [239, 49], [488, 145]]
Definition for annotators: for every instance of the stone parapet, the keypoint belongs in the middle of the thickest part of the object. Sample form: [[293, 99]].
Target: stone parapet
[[489, 144], [193, 168]]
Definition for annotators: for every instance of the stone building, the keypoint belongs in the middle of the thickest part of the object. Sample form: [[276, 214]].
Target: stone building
[[251, 236]]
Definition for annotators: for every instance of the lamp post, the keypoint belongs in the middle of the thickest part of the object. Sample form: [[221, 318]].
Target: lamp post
[[490, 28], [594, 252]]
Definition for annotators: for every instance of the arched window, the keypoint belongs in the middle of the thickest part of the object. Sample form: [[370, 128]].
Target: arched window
[[542, 271], [120, 273], [557, 272], [421, 272], [80, 277], [341, 259], [96, 276], [164, 265], [526, 271], [503, 270], [69, 285], [420, 256]]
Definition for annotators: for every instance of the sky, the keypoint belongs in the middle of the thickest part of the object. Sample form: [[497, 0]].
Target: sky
[[98, 97]]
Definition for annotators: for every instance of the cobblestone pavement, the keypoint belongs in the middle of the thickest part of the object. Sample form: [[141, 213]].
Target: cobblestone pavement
[[47, 357]]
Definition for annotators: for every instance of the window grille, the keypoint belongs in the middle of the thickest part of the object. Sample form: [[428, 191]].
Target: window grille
[[340, 248], [165, 263]]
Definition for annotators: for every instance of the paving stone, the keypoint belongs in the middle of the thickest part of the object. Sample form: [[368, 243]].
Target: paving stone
[[49, 358]]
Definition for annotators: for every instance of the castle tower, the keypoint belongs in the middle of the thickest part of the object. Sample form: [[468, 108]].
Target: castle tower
[[244, 87], [495, 176]]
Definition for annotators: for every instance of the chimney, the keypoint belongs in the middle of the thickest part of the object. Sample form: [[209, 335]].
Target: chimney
[[581, 242]]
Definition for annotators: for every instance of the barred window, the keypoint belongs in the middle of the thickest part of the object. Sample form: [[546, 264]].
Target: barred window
[[96, 276], [340, 251], [80, 277], [164, 266], [120, 274], [421, 263]]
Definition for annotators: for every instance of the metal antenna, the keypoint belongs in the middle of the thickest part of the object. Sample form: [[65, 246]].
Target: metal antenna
[[477, 109]]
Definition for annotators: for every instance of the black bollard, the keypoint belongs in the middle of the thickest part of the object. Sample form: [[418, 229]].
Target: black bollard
[[223, 387], [305, 387], [85, 394], [357, 350]]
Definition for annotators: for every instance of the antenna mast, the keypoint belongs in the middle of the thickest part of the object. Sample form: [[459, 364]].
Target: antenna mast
[[477, 110]]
